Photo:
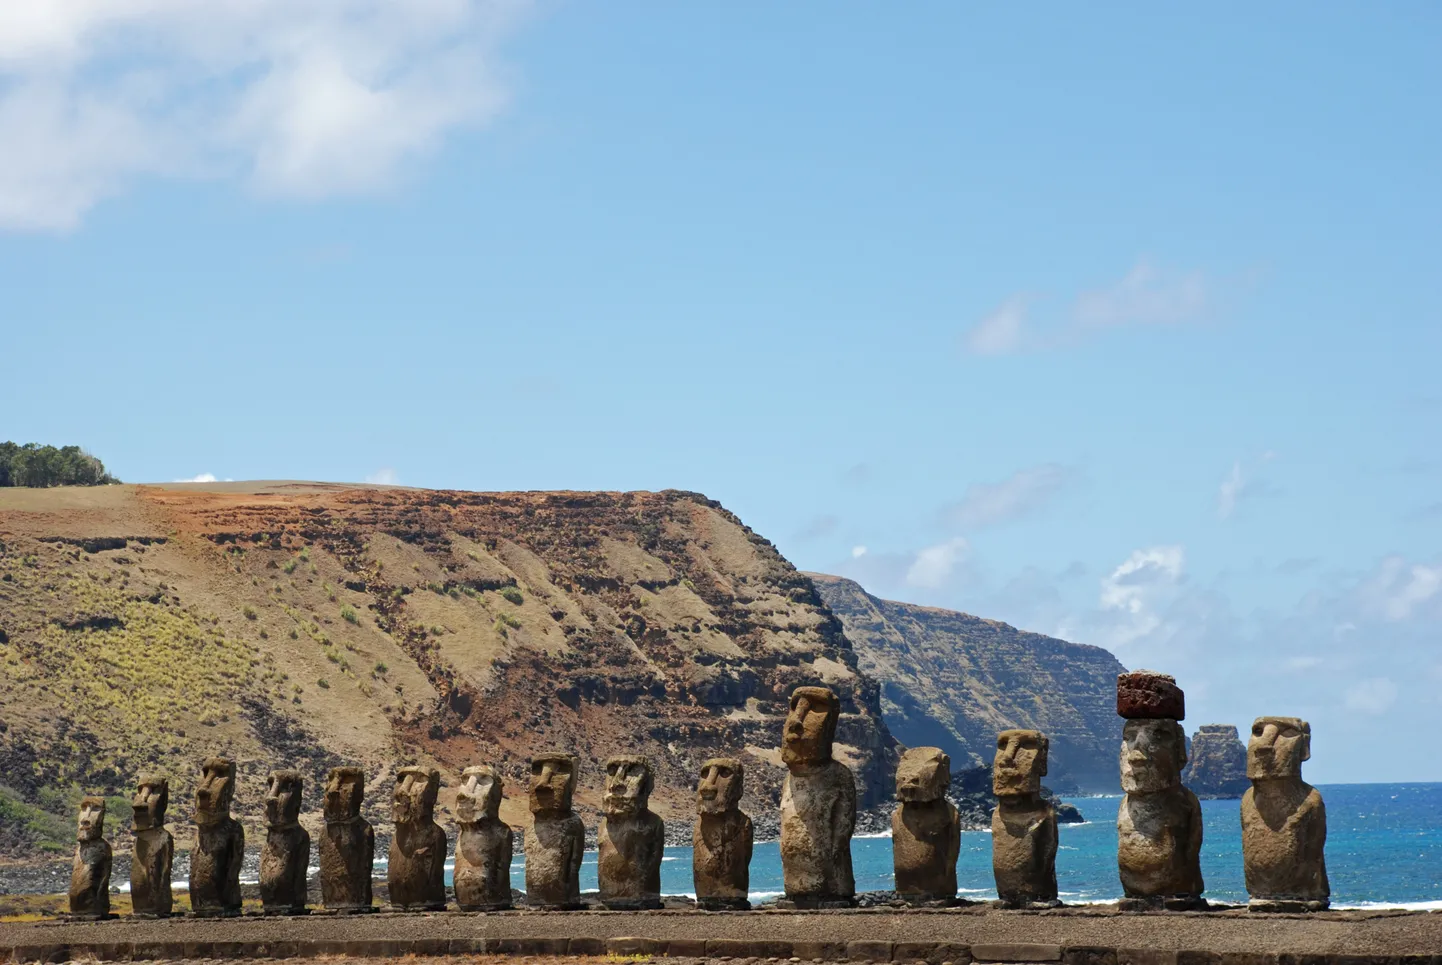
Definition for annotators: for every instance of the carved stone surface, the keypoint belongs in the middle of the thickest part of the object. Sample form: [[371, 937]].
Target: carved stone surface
[[818, 806], [1284, 823], [722, 838], [219, 844], [1148, 695], [150, 894], [483, 845], [1159, 825], [90, 873], [348, 846], [415, 872], [1023, 826], [631, 838], [925, 828], [556, 838], [285, 856]]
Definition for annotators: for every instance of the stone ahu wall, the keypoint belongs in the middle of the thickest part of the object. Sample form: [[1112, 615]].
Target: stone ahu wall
[[1159, 829]]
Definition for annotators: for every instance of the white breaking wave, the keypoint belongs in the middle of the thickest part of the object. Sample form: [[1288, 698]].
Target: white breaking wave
[[1377, 905]]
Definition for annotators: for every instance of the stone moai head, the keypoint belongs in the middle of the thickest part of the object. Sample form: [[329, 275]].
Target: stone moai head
[[721, 785], [1277, 748], [810, 726], [628, 785], [479, 796], [1020, 762], [282, 800], [415, 795], [923, 774], [152, 797], [553, 782], [1153, 755], [217, 787], [345, 789], [91, 826]]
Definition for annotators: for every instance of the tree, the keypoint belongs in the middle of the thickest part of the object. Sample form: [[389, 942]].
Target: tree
[[41, 466]]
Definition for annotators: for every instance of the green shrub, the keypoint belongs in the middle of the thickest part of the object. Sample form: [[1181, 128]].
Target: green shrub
[[249, 611], [347, 613], [35, 465], [513, 595], [323, 684], [289, 566]]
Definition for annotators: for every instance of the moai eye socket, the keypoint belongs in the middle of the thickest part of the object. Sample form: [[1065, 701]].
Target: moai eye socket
[[537, 767], [1001, 743], [1257, 730], [1289, 731], [723, 772], [563, 768]]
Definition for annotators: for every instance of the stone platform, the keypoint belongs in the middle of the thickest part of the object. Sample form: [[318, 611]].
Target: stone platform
[[1097, 935]]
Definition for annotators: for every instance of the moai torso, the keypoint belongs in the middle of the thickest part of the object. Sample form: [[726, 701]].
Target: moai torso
[[483, 845], [150, 865], [1023, 826], [348, 845], [219, 844], [285, 856], [90, 873], [818, 804], [1159, 824], [722, 838], [556, 838], [631, 839], [1284, 823], [415, 872], [925, 828]]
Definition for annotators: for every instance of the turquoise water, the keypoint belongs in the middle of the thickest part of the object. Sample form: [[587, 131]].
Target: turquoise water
[[1384, 846]]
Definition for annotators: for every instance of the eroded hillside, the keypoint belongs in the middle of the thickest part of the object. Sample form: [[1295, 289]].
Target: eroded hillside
[[142, 628], [953, 680]]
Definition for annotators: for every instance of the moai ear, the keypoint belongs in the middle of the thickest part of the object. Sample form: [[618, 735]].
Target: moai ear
[[1045, 754]]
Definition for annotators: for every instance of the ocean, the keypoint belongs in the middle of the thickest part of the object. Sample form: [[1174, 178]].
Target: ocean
[[1384, 849]]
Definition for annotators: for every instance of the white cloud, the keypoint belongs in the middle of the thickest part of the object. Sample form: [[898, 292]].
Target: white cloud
[[383, 477], [1400, 588], [1145, 295], [299, 98], [1375, 695], [1026, 490], [205, 477], [857, 552], [1002, 332], [934, 565], [1137, 590]]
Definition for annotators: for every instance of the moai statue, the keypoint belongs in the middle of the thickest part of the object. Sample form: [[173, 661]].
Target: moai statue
[[722, 839], [416, 870], [150, 895], [925, 829], [1159, 825], [219, 844], [348, 846], [1284, 824], [1023, 826], [483, 847], [90, 874], [818, 806], [556, 838], [631, 839], [285, 856]]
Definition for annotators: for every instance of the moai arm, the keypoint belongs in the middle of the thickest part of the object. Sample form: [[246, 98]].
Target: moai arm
[[577, 846], [846, 813], [746, 840], [1046, 839]]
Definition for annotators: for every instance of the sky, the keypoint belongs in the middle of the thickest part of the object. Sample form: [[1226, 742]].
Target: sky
[[1117, 322]]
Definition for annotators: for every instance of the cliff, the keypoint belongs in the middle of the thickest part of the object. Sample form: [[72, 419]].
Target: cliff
[[952, 680], [143, 628], [1216, 763]]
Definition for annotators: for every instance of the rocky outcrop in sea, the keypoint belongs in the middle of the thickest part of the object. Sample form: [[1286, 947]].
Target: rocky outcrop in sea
[[1217, 763]]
